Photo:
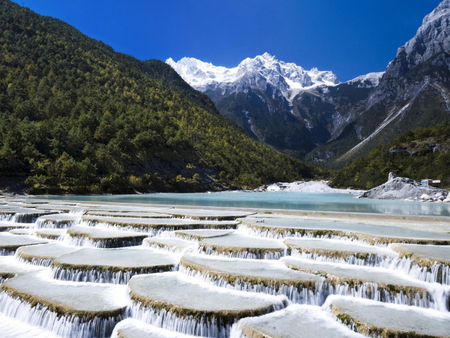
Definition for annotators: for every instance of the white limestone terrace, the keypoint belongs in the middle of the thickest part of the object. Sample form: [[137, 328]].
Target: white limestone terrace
[[243, 246], [156, 225], [365, 232], [430, 263], [266, 276], [44, 254], [81, 235], [295, 321], [67, 298], [9, 243], [339, 251], [132, 328], [263, 69], [50, 233], [182, 297], [14, 328], [8, 226], [376, 319], [374, 283], [198, 235], [134, 214], [60, 221], [170, 244], [93, 264], [10, 267]]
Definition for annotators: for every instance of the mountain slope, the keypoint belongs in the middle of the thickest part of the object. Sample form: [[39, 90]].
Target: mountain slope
[[423, 153], [78, 117], [258, 95], [328, 122], [413, 92]]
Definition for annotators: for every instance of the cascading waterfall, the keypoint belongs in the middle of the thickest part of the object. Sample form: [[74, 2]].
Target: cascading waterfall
[[203, 326], [63, 325], [436, 273], [57, 224], [100, 243], [6, 217], [104, 276], [295, 294], [434, 299], [242, 254], [370, 260]]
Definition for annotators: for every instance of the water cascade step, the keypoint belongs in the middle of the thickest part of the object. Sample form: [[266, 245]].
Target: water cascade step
[[430, 263], [181, 303], [58, 221], [376, 319], [241, 246], [198, 235], [64, 307], [44, 254], [333, 250], [374, 283], [254, 275], [9, 243], [295, 321], [102, 238], [132, 328], [155, 226], [170, 244], [114, 266], [366, 233]]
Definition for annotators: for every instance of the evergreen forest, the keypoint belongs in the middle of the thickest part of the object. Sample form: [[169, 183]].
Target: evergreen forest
[[78, 117], [420, 154]]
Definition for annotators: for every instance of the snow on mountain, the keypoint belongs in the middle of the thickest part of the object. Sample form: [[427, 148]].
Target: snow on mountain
[[258, 72], [367, 81]]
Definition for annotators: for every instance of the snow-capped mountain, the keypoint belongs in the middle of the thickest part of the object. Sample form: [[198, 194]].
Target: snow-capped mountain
[[309, 114], [256, 73]]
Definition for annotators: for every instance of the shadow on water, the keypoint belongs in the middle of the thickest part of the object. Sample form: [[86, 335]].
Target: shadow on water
[[337, 202]]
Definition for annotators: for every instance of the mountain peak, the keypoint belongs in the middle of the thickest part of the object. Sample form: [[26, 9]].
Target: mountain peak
[[431, 38], [257, 72]]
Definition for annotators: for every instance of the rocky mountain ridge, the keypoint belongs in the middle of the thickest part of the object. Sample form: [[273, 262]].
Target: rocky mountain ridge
[[325, 122]]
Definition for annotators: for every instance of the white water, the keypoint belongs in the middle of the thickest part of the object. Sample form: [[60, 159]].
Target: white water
[[17, 311], [63, 326]]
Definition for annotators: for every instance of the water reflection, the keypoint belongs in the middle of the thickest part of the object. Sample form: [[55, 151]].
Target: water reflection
[[341, 202]]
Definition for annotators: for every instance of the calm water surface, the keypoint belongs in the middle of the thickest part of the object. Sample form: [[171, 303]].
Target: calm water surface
[[340, 202]]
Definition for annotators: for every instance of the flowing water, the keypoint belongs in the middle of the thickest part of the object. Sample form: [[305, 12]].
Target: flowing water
[[411, 284]]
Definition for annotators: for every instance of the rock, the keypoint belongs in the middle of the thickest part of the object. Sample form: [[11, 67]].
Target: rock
[[391, 176], [402, 188]]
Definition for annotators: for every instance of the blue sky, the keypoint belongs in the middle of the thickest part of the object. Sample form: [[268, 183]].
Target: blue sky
[[348, 37]]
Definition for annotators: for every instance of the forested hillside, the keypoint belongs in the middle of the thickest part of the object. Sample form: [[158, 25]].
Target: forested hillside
[[77, 117], [423, 153]]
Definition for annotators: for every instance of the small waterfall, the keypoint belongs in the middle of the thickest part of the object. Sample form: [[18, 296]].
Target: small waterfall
[[62, 325], [203, 326], [6, 217], [436, 273], [7, 252], [300, 295], [434, 299], [103, 276], [25, 218], [46, 262], [101, 243], [274, 255], [57, 224], [369, 260]]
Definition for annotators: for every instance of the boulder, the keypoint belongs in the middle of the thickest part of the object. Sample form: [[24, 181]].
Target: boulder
[[401, 188]]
